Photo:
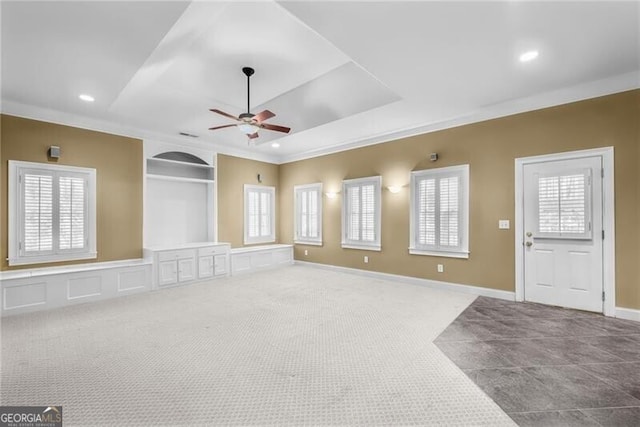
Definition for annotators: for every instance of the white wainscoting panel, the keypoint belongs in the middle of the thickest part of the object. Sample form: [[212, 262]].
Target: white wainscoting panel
[[253, 258], [38, 289], [27, 295], [131, 279], [83, 287]]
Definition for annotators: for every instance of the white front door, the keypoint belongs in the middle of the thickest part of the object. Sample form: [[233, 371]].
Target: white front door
[[563, 262]]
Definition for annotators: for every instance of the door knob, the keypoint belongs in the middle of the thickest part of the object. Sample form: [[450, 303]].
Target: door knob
[[528, 243], [529, 234]]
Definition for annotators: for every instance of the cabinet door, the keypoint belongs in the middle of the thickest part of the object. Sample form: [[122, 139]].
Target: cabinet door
[[186, 269], [220, 263], [167, 273], [205, 266]]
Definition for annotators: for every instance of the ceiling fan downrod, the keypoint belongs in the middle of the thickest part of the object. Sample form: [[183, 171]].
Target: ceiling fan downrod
[[248, 71]]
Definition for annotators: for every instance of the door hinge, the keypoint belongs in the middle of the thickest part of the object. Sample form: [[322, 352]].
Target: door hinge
[[602, 173], [602, 234], [602, 295], [20, 245]]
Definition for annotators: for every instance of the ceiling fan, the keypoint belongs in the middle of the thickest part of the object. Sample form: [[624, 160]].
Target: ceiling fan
[[248, 123]]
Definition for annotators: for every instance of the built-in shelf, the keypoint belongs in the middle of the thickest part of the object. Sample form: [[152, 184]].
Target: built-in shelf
[[179, 178], [194, 172]]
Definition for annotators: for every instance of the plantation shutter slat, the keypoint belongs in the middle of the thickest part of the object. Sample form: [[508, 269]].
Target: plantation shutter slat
[[38, 213], [265, 217], [304, 214], [254, 214], [312, 214], [308, 213], [438, 212], [563, 205], [368, 213], [427, 212], [354, 213], [259, 203], [449, 212], [72, 213]]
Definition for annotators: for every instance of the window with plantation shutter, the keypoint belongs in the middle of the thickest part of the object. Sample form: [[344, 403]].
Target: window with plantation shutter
[[439, 219], [564, 205], [259, 214], [361, 213], [51, 213], [308, 214]]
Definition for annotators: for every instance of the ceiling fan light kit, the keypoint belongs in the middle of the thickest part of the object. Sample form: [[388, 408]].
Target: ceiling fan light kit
[[248, 123]]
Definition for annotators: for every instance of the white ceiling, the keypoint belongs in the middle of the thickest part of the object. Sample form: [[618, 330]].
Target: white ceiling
[[340, 74]]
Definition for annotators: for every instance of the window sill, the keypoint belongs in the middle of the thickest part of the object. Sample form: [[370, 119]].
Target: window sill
[[265, 240], [445, 254], [26, 260], [305, 242], [377, 248]]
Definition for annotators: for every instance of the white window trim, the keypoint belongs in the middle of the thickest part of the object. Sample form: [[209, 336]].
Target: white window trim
[[351, 244], [296, 237], [15, 258], [261, 239], [463, 172]]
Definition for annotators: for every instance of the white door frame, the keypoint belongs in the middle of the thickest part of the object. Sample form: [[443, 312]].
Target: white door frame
[[608, 220]]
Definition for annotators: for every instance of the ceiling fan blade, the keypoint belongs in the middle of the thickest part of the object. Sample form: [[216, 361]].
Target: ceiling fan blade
[[221, 127], [261, 117], [253, 135], [275, 127], [222, 113]]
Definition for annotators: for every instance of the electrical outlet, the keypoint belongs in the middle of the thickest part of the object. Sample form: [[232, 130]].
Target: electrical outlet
[[503, 224], [306, 252], [366, 259], [440, 268]]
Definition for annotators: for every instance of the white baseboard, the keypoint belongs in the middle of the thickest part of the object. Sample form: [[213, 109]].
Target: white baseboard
[[434, 284], [628, 313]]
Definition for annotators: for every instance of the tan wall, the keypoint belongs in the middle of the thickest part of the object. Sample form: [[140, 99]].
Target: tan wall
[[490, 149], [233, 174], [118, 161]]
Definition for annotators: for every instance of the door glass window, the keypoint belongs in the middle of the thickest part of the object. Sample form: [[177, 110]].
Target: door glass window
[[564, 205]]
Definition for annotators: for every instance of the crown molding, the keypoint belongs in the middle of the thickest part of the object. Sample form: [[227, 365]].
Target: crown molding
[[608, 86], [62, 118]]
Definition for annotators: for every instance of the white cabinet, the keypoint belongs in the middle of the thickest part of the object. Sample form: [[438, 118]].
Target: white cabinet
[[186, 269], [167, 273], [213, 261], [221, 265], [188, 263], [205, 267]]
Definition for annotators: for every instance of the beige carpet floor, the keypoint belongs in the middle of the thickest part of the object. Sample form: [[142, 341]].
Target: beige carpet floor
[[293, 346]]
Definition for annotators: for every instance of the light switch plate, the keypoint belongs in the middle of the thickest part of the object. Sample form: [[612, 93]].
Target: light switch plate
[[503, 224]]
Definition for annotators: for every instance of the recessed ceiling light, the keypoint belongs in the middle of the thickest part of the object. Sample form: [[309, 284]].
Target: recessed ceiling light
[[275, 145], [86, 98], [529, 56]]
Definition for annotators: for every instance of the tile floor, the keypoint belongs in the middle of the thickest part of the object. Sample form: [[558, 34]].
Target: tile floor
[[548, 366]]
